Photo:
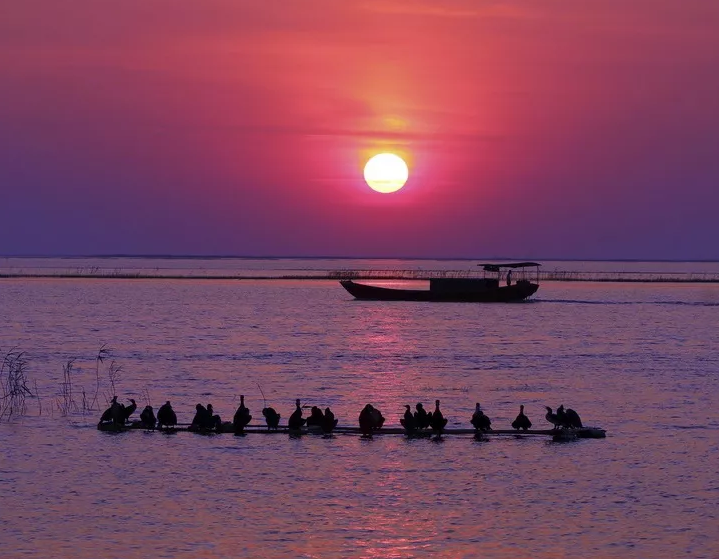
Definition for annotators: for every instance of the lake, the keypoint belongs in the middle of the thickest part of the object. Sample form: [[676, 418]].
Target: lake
[[638, 360]]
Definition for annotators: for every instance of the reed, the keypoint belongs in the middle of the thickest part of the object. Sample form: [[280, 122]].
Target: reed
[[103, 353], [66, 401], [14, 385]]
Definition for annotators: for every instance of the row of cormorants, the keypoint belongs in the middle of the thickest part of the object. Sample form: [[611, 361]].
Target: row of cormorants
[[370, 418]]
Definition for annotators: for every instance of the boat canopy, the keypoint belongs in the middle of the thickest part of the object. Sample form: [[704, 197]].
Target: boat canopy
[[497, 267]]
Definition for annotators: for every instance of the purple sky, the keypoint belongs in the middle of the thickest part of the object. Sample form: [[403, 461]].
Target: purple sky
[[532, 129]]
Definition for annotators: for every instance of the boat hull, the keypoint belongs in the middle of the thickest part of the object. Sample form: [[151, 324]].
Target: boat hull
[[506, 294]]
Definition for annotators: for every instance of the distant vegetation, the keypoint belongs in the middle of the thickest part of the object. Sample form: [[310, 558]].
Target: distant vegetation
[[398, 274]]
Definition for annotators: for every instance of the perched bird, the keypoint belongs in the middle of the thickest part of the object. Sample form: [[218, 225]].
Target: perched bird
[[370, 419], [117, 412], [316, 417], [166, 416], [242, 417], [296, 420], [421, 417], [147, 417], [365, 420], [328, 421], [522, 421], [552, 418], [129, 410], [201, 419], [107, 414], [571, 419], [408, 421], [561, 416], [438, 422], [377, 418], [272, 418], [213, 419], [479, 420]]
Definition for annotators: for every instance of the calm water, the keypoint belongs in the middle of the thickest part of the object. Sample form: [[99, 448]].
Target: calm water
[[638, 360]]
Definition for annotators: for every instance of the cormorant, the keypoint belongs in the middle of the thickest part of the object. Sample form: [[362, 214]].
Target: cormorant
[[166, 416], [147, 417], [214, 421], [296, 420], [421, 417], [571, 419], [201, 419], [408, 421], [377, 418], [129, 410], [479, 420], [522, 421], [328, 421], [107, 414], [370, 419], [117, 412], [316, 418], [242, 416], [438, 422], [272, 418], [552, 418], [562, 416]]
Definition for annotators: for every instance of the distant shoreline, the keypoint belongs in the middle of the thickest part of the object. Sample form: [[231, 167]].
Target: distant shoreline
[[583, 277], [417, 258]]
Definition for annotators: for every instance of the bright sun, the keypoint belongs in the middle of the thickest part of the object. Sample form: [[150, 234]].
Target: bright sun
[[386, 172]]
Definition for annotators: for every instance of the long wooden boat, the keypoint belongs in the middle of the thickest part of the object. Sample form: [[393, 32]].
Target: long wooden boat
[[455, 290], [227, 427]]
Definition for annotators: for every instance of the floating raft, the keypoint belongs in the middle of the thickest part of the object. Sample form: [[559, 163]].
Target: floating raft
[[556, 434]]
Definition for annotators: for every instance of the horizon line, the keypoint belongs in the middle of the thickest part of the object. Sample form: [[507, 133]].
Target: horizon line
[[329, 257]]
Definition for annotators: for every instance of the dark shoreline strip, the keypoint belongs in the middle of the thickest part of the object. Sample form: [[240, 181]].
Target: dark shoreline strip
[[587, 278]]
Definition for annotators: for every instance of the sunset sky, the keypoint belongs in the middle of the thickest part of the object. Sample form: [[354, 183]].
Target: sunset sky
[[532, 129]]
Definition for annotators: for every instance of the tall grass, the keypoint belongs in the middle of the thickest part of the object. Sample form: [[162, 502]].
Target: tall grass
[[14, 385]]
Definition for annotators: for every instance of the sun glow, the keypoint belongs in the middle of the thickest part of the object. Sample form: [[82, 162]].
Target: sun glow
[[386, 172]]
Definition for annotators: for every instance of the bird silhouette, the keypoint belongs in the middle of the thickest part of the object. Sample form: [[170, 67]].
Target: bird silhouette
[[296, 420], [316, 418], [166, 416], [522, 421], [272, 418], [370, 419], [408, 421], [421, 417], [552, 418], [328, 421], [201, 419], [438, 422], [242, 417], [479, 420], [571, 419], [147, 418], [129, 410], [107, 414]]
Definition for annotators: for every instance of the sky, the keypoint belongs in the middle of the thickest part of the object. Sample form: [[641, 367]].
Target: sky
[[532, 129]]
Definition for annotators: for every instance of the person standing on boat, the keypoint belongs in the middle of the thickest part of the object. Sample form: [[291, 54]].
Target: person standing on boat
[[509, 278]]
